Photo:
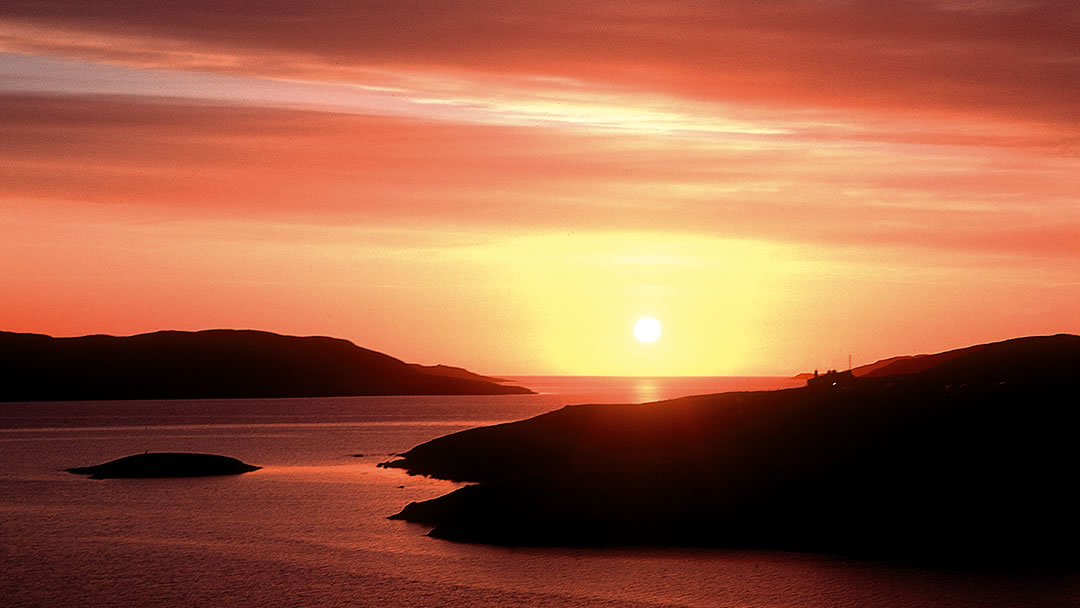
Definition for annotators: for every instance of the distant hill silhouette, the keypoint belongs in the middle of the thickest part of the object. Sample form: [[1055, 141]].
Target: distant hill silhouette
[[212, 364], [970, 461], [911, 364]]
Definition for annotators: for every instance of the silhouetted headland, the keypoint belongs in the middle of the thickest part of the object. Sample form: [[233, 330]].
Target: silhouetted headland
[[970, 460], [166, 464], [449, 371], [903, 364], [216, 364]]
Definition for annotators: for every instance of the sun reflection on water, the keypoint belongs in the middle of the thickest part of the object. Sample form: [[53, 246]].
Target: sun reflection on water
[[646, 390]]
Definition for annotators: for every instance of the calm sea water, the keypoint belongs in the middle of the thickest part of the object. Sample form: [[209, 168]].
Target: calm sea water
[[310, 528]]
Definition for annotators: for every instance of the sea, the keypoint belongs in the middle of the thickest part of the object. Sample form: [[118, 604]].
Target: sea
[[310, 528]]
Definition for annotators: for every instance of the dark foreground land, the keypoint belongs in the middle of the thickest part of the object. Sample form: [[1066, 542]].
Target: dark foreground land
[[166, 464], [967, 459], [216, 364]]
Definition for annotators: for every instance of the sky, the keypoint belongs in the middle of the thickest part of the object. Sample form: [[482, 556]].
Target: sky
[[509, 186]]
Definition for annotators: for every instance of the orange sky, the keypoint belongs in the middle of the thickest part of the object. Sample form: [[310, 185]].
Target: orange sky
[[508, 186]]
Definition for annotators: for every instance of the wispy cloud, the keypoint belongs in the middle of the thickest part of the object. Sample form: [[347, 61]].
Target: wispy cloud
[[495, 101], [791, 185], [953, 57]]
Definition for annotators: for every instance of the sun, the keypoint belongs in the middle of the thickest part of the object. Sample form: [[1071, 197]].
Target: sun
[[647, 329]]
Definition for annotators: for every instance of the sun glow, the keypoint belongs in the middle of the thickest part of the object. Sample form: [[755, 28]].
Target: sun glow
[[647, 329]]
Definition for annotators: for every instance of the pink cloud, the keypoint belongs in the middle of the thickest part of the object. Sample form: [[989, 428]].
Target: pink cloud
[[175, 161], [1014, 59]]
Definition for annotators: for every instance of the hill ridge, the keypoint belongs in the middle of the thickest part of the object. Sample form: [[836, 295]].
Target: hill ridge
[[212, 363], [968, 462]]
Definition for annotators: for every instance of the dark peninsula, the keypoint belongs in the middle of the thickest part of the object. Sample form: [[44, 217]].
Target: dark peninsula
[[450, 371], [215, 364], [166, 464], [971, 459]]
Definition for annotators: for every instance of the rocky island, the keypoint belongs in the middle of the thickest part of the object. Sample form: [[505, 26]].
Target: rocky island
[[968, 457], [216, 364], [166, 464]]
